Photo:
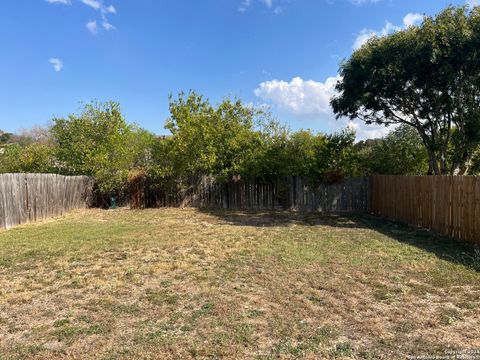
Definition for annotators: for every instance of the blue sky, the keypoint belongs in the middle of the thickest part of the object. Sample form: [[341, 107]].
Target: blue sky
[[284, 53]]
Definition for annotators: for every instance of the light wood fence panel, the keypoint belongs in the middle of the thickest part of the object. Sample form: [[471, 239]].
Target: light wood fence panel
[[449, 205], [31, 197]]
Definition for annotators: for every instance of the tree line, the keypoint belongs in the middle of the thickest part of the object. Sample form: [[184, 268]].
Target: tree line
[[226, 140], [423, 81]]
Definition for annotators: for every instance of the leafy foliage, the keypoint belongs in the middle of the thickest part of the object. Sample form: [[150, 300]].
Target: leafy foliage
[[426, 77], [210, 140], [100, 143], [401, 152], [232, 139], [4, 137], [33, 158]]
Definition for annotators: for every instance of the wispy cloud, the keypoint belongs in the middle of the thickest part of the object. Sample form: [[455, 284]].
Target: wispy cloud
[[92, 26], [93, 4], [244, 5], [111, 9], [276, 6], [411, 19], [367, 34], [56, 63], [363, 2], [106, 24], [472, 3], [64, 2], [97, 5], [269, 3]]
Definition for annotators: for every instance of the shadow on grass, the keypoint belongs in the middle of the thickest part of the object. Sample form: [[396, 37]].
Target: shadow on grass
[[443, 247], [280, 218]]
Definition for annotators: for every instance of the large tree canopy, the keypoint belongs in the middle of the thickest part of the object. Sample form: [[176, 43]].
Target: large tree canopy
[[99, 142], [208, 139], [426, 77]]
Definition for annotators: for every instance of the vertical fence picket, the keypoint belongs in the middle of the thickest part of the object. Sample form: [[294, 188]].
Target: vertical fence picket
[[296, 193], [30, 197], [449, 205]]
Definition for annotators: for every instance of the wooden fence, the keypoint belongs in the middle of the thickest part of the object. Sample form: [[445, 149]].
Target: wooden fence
[[31, 197], [449, 205], [295, 193]]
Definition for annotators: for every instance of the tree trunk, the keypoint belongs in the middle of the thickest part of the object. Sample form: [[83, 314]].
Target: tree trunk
[[443, 164], [433, 168]]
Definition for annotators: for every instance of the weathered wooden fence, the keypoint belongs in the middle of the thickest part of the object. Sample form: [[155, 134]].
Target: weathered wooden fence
[[31, 197], [296, 193], [449, 205]]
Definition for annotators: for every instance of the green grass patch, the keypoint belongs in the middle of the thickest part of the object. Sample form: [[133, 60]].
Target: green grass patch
[[184, 283]]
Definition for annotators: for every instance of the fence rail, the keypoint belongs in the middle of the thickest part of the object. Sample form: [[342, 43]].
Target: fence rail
[[449, 205], [296, 193], [30, 197]]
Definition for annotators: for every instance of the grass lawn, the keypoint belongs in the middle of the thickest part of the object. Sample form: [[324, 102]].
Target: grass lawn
[[173, 283]]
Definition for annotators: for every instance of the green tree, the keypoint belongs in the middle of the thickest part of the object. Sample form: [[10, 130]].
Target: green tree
[[207, 139], [426, 77], [99, 142], [4, 137], [303, 153], [401, 152], [336, 158], [32, 158]]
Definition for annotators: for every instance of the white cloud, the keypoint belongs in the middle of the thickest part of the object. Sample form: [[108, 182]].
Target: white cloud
[[362, 2], [367, 34], [106, 25], [56, 63], [278, 10], [97, 5], [93, 4], [303, 98], [111, 9], [245, 5], [273, 5], [309, 100], [65, 2], [92, 26], [412, 19], [472, 3], [364, 131], [363, 37], [269, 3]]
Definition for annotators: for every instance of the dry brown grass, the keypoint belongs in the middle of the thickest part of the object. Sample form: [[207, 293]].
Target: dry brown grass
[[171, 283]]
